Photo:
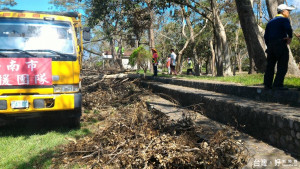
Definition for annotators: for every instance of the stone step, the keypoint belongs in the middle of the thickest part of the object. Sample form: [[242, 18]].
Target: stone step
[[276, 124], [290, 97], [261, 154]]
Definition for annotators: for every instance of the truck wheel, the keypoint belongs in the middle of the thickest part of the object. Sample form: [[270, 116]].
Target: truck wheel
[[74, 121]]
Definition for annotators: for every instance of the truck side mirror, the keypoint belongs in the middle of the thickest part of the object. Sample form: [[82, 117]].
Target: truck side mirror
[[87, 33]]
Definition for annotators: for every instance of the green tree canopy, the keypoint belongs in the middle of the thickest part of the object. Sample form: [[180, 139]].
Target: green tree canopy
[[5, 3]]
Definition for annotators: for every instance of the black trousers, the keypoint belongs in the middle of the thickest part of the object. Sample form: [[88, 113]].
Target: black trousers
[[155, 69], [277, 53], [173, 69], [188, 71]]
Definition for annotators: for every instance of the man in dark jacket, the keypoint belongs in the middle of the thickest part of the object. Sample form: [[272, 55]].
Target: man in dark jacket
[[278, 35]]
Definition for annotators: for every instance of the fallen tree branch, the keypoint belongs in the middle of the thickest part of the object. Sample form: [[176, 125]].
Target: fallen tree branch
[[121, 76], [90, 155]]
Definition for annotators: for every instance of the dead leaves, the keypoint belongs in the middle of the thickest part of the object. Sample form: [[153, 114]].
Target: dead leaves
[[134, 137]]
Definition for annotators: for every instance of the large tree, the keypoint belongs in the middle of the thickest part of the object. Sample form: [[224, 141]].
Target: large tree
[[115, 19], [125, 17], [211, 10], [272, 7], [190, 40], [253, 37], [222, 51]]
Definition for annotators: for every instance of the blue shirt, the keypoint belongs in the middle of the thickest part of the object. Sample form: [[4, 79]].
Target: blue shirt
[[173, 59], [278, 29]]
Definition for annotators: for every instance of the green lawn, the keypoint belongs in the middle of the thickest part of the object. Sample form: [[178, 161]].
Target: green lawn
[[244, 79], [249, 80], [32, 148]]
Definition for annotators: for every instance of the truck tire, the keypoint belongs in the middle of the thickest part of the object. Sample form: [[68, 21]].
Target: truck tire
[[74, 120]]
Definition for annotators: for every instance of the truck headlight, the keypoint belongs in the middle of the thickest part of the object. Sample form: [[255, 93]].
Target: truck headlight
[[66, 88]]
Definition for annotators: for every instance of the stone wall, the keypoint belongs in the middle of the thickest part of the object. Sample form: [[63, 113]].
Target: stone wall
[[291, 97], [276, 124]]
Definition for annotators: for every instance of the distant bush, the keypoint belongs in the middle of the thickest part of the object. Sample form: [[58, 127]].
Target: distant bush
[[141, 58]]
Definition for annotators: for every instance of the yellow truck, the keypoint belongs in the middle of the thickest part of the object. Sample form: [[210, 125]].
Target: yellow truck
[[40, 62]]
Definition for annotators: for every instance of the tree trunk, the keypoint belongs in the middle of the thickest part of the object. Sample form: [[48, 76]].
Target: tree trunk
[[260, 12], [251, 66], [120, 54], [197, 62], [151, 37], [213, 56], [151, 29], [219, 59], [254, 39], [272, 7], [233, 63], [112, 49], [236, 48], [239, 59], [218, 52], [293, 68], [208, 64], [222, 45], [252, 3], [191, 39]]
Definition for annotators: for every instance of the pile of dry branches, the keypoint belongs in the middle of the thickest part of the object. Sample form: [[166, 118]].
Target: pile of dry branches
[[134, 137]]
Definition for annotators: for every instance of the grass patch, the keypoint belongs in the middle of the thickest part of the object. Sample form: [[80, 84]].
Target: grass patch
[[243, 79], [292, 82], [142, 72], [96, 112], [86, 111], [33, 148]]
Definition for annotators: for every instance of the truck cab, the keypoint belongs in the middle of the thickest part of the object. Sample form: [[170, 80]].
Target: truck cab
[[40, 62]]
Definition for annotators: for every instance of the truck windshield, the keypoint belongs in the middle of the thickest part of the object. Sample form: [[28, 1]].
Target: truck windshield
[[36, 35]]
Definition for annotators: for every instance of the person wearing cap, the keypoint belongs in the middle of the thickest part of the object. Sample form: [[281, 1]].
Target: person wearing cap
[[278, 36], [154, 61], [189, 66]]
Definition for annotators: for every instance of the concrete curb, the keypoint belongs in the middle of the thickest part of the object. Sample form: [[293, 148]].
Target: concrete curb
[[290, 97], [276, 124]]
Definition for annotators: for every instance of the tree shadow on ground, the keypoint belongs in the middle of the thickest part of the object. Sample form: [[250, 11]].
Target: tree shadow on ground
[[43, 160], [28, 127]]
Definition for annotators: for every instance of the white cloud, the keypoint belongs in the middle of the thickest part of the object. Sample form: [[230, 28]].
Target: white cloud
[[295, 3]]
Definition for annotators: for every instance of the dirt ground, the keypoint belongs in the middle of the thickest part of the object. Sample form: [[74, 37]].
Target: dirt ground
[[125, 134]]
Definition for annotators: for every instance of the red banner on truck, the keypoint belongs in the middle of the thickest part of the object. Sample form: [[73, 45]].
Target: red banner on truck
[[25, 71]]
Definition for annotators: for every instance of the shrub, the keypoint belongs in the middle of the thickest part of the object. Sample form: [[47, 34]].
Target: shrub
[[141, 58]]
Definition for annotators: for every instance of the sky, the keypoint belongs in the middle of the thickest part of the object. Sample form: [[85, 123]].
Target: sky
[[43, 5], [33, 5], [296, 3]]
